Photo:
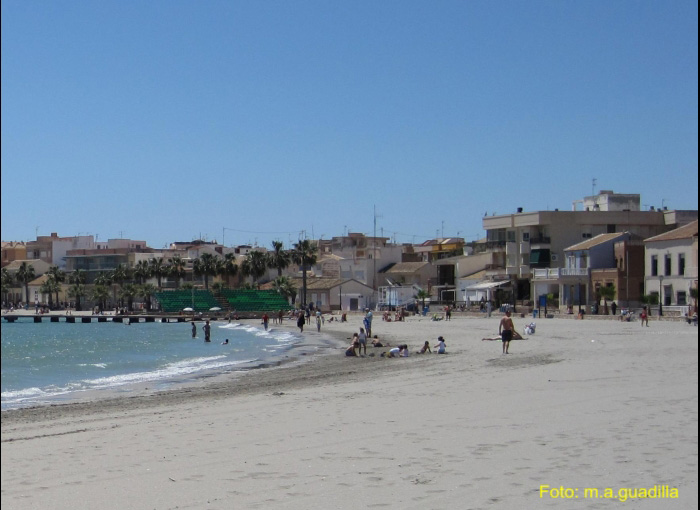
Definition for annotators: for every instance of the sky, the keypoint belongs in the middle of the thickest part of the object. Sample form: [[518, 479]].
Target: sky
[[251, 121]]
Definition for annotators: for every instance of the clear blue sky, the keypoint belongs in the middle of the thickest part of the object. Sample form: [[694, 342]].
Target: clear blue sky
[[167, 120]]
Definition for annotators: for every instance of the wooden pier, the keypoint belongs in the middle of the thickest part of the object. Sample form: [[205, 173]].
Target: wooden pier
[[87, 319]]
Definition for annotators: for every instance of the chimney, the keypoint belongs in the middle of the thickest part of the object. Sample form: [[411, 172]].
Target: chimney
[[520, 209]]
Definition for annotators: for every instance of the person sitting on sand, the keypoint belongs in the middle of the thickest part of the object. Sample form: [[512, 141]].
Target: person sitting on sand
[[351, 350], [377, 343], [440, 346], [425, 348]]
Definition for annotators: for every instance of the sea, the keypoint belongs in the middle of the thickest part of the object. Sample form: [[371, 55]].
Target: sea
[[53, 362]]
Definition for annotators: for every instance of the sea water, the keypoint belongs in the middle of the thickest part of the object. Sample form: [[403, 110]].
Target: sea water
[[56, 361]]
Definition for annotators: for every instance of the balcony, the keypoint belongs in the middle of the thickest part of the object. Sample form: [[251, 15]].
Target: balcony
[[555, 273], [541, 240]]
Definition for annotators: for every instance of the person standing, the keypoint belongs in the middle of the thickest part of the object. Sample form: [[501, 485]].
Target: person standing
[[318, 320], [194, 330], [613, 307], [505, 329], [207, 332], [644, 317], [362, 338], [301, 321], [265, 320], [368, 321]]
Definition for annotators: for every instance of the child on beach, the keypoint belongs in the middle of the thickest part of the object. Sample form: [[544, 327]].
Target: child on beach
[[425, 348], [441, 347], [363, 341]]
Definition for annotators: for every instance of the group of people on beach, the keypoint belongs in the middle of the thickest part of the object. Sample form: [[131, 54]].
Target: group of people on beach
[[358, 347]]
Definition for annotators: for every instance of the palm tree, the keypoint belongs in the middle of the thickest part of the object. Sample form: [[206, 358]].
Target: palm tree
[[177, 269], [605, 293], [142, 270], [119, 275], [25, 274], [146, 291], [304, 254], [218, 287], [49, 287], [7, 284], [229, 267], [77, 290], [100, 294], [206, 265], [279, 258], [104, 279], [57, 276], [158, 269], [285, 287], [422, 295], [255, 265], [129, 290]]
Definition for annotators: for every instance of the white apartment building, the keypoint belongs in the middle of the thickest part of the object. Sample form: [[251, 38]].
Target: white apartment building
[[671, 266]]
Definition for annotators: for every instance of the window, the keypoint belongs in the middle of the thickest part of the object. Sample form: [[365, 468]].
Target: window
[[681, 299], [681, 264], [667, 265], [510, 235], [586, 235], [654, 265], [526, 236], [612, 228]]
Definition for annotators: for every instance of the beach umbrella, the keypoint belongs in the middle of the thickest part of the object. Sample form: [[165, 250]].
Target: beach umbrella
[[188, 309], [215, 309]]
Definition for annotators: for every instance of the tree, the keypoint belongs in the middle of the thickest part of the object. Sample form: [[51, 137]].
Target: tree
[[100, 294], [7, 284], [128, 292], [229, 267], [279, 258], [606, 293], [177, 269], [422, 295], [218, 287], [304, 254], [57, 276], [285, 287], [255, 265], [158, 269], [146, 291], [142, 270], [119, 275], [49, 287], [77, 290], [206, 265], [25, 274]]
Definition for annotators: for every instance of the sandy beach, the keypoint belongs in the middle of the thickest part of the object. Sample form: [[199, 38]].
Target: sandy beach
[[579, 405]]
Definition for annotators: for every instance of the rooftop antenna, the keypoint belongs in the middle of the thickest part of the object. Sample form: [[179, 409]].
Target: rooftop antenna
[[36, 231], [595, 181]]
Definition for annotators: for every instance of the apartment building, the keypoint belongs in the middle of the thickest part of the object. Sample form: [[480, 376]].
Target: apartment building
[[671, 266]]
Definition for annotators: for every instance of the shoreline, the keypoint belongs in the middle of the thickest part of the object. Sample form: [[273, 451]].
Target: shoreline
[[579, 404]]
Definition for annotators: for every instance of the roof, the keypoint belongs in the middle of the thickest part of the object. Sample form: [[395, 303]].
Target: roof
[[595, 241], [685, 232], [406, 267], [474, 276]]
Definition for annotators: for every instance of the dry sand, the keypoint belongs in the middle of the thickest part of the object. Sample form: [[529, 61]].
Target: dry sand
[[580, 404]]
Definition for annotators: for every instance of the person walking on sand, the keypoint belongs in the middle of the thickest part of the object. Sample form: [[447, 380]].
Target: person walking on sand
[[265, 321], [505, 329], [644, 317], [301, 321]]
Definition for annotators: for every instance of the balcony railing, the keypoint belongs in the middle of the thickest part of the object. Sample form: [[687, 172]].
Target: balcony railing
[[555, 273], [541, 240]]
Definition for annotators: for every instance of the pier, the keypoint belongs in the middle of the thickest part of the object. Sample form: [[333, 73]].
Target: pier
[[87, 319]]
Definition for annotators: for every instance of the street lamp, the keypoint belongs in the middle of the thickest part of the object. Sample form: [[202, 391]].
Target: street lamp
[[661, 295]]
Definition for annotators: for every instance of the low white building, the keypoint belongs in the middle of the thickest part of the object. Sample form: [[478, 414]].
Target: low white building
[[671, 267]]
